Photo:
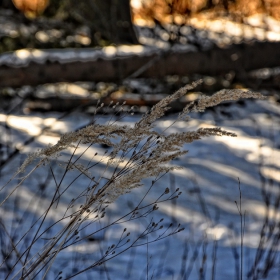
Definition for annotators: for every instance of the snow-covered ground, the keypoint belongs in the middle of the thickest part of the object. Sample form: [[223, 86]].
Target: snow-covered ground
[[198, 33], [208, 207]]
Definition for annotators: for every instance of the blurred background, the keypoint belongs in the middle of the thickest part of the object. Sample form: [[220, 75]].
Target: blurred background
[[228, 43], [58, 58]]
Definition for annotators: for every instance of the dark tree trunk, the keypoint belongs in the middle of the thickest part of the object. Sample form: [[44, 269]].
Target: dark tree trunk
[[110, 20]]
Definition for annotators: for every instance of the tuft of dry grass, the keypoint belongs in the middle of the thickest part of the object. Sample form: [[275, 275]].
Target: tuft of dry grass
[[137, 152]]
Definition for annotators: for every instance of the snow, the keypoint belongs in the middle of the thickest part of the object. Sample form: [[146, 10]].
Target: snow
[[202, 31], [23, 57], [206, 208]]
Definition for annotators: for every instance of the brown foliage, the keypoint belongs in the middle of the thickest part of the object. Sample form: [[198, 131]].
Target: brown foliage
[[31, 8], [161, 10]]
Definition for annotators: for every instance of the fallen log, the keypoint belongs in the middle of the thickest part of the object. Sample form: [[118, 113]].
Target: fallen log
[[63, 104], [34, 67]]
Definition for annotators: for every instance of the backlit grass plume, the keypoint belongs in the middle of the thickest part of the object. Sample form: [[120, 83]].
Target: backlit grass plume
[[134, 153]]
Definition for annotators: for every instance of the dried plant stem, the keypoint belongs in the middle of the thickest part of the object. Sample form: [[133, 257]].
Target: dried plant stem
[[135, 152]]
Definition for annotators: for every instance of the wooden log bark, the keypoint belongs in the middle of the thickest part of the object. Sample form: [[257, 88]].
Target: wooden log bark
[[71, 103], [152, 64]]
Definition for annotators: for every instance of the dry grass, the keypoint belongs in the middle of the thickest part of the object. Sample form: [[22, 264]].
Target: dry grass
[[137, 152]]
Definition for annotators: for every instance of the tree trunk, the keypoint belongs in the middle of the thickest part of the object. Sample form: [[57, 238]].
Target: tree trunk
[[110, 20]]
